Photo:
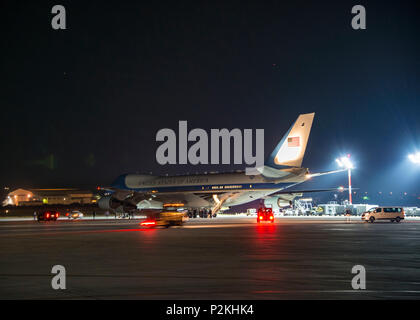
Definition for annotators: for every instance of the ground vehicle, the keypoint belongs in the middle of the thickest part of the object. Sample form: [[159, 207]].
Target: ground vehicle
[[48, 215], [75, 214], [265, 214], [384, 213], [166, 219]]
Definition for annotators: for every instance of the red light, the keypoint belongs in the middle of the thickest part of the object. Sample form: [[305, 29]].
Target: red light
[[271, 217], [57, 214], [148, 223], [48, 215], [260, 217]]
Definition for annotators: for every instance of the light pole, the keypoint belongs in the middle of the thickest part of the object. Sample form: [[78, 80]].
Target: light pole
[[344, 162], [350, 196]]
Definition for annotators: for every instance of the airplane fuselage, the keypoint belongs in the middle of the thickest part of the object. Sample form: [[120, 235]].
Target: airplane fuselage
[[242, 188], [281, 170]]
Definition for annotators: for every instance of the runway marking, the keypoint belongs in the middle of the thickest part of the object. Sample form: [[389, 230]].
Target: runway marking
[[217, 225], [57, 231], [336, 291], [90, 227], [74, 232], [65, 224]]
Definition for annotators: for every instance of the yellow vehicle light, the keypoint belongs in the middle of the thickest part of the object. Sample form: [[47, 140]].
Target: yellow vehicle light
[[173, 205]]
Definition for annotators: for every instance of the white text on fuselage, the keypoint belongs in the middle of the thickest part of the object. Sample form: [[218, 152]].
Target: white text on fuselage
[[175, 181]]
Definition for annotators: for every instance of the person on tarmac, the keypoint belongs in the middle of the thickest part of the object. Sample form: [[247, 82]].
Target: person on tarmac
[[348, 215]]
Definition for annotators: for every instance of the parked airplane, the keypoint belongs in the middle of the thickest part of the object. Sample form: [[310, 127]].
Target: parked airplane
[[218, 191]]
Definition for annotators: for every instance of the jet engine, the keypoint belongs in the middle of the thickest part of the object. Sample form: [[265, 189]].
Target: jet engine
[[113, 204], [274, 202]]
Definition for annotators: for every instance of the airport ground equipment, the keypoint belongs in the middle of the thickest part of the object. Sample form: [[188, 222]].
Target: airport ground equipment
[[166, 219]]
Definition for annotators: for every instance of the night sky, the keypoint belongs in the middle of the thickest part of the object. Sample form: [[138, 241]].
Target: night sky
[[83, 105]]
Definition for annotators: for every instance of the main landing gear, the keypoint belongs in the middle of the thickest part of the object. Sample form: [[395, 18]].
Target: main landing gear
[[202, 213]]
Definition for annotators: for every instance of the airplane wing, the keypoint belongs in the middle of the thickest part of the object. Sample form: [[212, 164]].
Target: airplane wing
[[126, 200], [340, 189], [311, 175], [290, 195]]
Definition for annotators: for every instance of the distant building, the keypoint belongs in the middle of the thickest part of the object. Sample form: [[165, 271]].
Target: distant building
[[33, 197]]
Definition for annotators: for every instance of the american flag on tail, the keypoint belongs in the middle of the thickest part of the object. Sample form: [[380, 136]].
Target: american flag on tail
[[293, 142]]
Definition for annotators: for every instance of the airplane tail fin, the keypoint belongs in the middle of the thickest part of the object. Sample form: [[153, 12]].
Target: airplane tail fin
[[291, 148]]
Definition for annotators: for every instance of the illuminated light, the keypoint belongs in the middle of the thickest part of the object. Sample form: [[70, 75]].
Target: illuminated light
[[48, 215], [28, 195], [308, 176], [271, 217], [148, 223], [172, 204], [341, 188], [344, 162], [414, 157], [57, 214], [306, 199]]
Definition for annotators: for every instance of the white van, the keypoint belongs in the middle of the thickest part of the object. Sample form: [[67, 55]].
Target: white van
[[384, 213]]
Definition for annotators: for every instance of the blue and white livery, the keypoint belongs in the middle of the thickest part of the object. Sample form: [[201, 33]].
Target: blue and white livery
[[217, 191]]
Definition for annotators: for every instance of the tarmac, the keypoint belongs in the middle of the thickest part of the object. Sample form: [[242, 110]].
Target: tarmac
[[223, 258]]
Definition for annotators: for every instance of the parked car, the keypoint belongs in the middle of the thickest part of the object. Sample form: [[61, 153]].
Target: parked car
[[48, 215], [384, 213], [75, 214]]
